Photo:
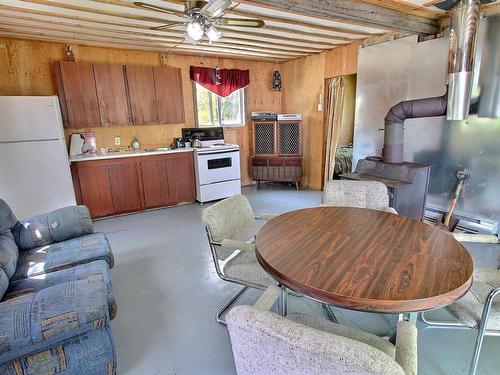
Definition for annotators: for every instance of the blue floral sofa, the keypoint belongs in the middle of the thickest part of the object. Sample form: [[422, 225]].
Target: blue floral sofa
[[56, 295]]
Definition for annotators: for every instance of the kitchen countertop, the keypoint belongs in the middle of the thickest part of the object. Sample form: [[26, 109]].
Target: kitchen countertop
[[126, 154]]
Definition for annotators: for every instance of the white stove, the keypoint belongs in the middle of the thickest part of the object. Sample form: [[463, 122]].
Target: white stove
[[217, 165]]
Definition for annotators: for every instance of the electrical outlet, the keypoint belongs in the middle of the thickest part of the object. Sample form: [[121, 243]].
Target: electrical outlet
[[118, 141], [320, 107]]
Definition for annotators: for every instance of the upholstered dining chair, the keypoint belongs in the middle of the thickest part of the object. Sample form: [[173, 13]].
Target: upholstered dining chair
[[266, 343], [231, 227], [362, 194], [478, 309]]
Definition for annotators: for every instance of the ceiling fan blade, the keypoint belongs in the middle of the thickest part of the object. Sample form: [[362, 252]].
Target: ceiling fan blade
[[168, 25], [156, 8], [240, 22], [215, 8]]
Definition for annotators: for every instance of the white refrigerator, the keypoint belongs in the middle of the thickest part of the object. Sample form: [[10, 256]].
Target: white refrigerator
[[34, 167]]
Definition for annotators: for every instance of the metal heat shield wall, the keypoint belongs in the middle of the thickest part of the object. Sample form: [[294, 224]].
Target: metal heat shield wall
[[405, 69]]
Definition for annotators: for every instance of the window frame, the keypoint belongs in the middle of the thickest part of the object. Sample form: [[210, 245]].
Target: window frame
[[243, 106]]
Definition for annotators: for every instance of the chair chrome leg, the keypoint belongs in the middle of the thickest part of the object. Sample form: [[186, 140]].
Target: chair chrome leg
[[482, 330], [330, 313], [218, 317], [284, 301]]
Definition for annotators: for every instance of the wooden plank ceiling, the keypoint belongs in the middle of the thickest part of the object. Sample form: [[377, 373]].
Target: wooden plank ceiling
[[293, 28]]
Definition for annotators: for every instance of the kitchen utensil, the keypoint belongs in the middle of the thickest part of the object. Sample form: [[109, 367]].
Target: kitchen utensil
[[195, 141], [76, 144], [136, 145], [178, 143]]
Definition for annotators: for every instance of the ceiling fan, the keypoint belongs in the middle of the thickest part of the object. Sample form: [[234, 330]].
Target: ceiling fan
[[201, 18]]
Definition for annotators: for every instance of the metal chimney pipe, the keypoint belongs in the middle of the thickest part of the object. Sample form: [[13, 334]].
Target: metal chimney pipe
[[463, 35], [394, 123], [489, 102]]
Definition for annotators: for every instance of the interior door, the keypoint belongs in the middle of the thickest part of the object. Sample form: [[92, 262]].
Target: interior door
[[79, 93], [141, 87], [111, 94], [169, 95]]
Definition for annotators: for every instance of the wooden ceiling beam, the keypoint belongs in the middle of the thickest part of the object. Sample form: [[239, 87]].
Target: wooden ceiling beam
[[408, 8], [242, 35], [158, 21], [132, 44], [291, 29], [125, 39], [93, 43], [354, 12], [178, 37], [293, 23]]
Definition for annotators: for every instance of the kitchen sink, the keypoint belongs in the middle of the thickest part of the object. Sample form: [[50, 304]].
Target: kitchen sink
[[155, 149]]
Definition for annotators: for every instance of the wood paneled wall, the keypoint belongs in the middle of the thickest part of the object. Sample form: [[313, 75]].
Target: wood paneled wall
[[26, 68], [303, 83], [304, 80]]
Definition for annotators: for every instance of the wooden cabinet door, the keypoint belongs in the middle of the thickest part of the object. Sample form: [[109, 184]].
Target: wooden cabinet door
[[141, 88], [169, 96], [111, 94], [78, 94], [126, 186], [181, 182], [155, 182], [95, 187]]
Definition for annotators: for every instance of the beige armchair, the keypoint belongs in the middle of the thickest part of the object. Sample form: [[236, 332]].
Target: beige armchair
[[231, 227], [265, 343], [362, 194]]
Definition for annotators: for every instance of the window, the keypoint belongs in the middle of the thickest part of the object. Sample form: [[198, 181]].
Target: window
[[213, 110]]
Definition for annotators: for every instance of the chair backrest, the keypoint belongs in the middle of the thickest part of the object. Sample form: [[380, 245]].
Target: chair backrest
[[362, 194], [231, 218], [266, 343]]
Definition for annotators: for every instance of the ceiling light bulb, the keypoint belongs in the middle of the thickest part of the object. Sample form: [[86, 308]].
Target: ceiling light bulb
[[190, 40], [213, 34], [195, 30]]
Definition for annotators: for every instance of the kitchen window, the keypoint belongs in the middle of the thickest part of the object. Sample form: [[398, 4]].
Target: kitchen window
[[214, 110]]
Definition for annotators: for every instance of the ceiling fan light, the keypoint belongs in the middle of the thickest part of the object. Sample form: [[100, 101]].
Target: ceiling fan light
[[195, 30], [213, 34], [190, 40]]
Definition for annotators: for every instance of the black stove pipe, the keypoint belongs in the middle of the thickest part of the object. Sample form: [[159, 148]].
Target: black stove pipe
[[394, 123]]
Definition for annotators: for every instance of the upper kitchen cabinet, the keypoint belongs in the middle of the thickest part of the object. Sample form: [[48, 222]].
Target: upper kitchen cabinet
[[142, 94], [77, 94], [111, 94], [169, 95]]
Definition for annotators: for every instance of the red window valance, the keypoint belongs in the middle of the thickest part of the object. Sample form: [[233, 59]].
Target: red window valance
[[222, 82]]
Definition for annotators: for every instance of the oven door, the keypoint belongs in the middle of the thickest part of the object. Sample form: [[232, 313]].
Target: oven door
[[218, 166]]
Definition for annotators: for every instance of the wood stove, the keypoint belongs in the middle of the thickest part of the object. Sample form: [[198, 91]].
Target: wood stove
[[407, 183]]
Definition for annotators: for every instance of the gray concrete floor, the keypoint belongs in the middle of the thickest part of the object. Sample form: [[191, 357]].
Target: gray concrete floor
[[168, 292]]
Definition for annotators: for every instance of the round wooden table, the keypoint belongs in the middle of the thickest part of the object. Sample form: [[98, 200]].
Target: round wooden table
[[364, 259]]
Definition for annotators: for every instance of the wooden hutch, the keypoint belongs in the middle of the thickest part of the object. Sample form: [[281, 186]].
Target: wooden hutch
[[277, 149]]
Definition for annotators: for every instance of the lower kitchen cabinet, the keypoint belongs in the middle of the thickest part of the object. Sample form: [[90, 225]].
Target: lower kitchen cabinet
[[156, 184], [180, 172], [95, 189], [114, 186], [126, 186]]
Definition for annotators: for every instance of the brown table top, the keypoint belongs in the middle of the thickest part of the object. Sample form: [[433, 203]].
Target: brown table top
[[364, 259]]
